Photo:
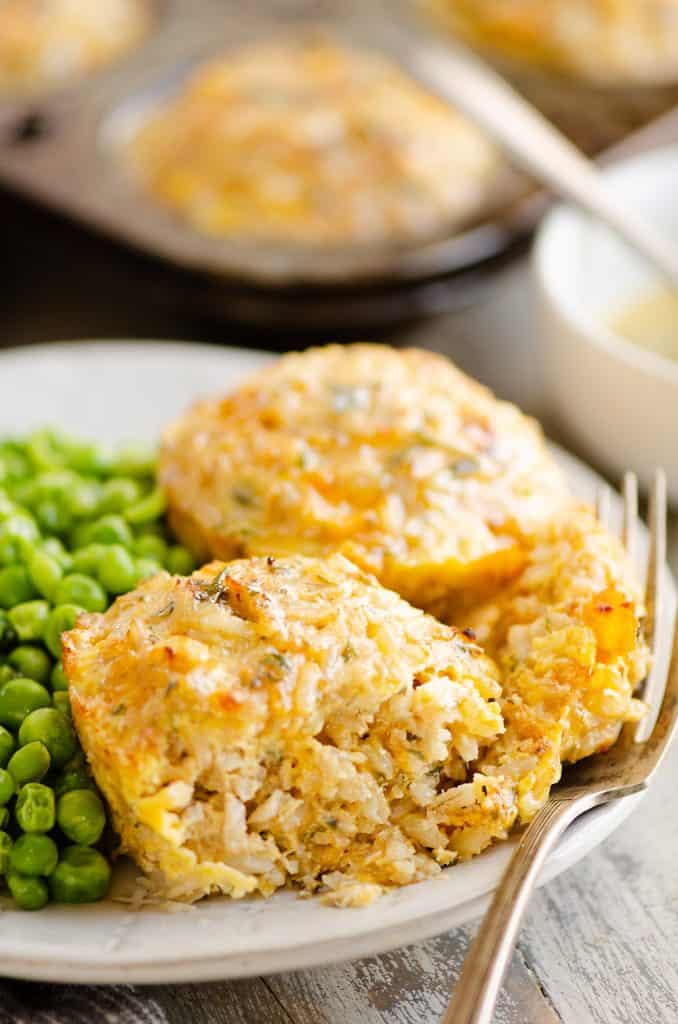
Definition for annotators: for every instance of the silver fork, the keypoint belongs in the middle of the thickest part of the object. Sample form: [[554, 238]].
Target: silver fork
[[625, 769]]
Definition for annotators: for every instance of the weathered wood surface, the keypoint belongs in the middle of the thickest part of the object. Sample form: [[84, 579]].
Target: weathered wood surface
[[408, 986], [599, 945]]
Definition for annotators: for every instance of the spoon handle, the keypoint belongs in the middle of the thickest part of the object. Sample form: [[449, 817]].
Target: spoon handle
[[534, 144]]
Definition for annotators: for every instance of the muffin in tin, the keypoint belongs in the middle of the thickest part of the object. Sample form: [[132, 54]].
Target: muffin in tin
[[308, 141], [595, 40], [44, 42]]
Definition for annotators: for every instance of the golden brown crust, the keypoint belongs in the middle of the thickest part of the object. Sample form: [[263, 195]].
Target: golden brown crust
[[291, 719], [394, 458]]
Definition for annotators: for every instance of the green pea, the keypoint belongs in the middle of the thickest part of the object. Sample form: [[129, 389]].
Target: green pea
[[16, 586], [8, 636], [150, 507], [117, 494], [29, 893], [30, 619], [81, 876], [7, 673], [134, 459], [154, 528], [44, 450], [4, 818], [81, 816], [62, 702], [34, 855], [7, 506], [25, 492], [77, 588], [55, 549], [53, 514], [78, 537], [20, 525], [77, 762], [86, 560], [31, 663], [60, 619], [5, 850], [51, 727], [76, 778], [30, 763], [117, 571], [15, 465], [45, 573], [111, 529], [35, 809], [180, 561], [88, 458], [59, 679], [7, 745], [146, 567], [7, 787], [150, 546], [84, 498], [18, 697], [13, 531], [55, 482]]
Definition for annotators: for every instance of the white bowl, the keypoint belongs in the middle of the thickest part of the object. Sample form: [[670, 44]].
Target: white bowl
[[614, 402]]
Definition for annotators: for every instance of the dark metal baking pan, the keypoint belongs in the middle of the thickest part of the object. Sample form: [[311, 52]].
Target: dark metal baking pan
[[62, 149]]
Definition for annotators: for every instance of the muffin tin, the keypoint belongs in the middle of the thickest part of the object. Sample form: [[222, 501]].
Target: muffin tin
[[63, 148]]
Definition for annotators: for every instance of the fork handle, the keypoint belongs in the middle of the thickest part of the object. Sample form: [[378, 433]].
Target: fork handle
[[476, 991]]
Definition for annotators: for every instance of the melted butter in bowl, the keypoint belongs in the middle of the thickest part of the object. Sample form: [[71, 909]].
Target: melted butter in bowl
[[651, 322]]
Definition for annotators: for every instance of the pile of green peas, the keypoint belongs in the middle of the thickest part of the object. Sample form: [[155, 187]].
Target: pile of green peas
[[79, 525]]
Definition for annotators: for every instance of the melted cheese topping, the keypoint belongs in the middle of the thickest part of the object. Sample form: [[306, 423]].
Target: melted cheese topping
[[309, 142]]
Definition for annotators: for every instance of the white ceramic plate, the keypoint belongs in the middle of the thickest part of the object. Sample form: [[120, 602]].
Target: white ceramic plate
[[115, 391]]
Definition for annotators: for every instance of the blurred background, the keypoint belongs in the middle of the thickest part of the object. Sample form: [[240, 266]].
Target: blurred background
[[184, 169]]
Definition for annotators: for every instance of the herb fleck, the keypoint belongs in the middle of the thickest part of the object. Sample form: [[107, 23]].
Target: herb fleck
[[243, 496], [276, 658], [348, 652], [214, 590], [119, 710], [164, 612], [272, 668]]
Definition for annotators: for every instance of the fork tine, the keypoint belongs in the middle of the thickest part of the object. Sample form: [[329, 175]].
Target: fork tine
[[630, 519], [603, 505], [656, 680], [656, 555]]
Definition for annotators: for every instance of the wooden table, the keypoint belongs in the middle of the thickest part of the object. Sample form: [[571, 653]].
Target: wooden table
[[599, 945]]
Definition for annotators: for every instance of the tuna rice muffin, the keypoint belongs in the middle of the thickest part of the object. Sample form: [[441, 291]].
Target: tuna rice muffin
[[44, 41], [396, 459], [599, 40], [567, 640], [309, 142], [273, 721]]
